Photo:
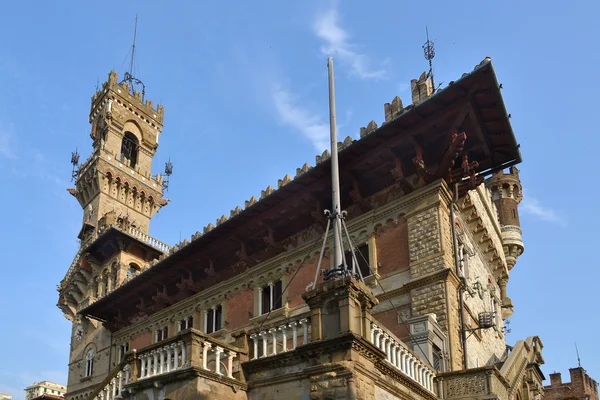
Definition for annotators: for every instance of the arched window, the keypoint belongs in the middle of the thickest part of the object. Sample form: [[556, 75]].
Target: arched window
[[133, 270], [89, 362], [129, 149]]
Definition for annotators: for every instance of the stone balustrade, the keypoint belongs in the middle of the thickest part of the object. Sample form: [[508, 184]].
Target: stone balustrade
[[157, 244], [163, 359], [115, 385], [190, 349], [280, 339], [398, 354]]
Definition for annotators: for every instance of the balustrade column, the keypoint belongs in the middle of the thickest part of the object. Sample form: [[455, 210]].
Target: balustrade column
[[169, 351], [294, 326], [304, 323], [175, 356], [283, 329], [387, 349], [378, 338], [374, 329], [155, 362], [127, 370], [263, 335], [273, 331], [254, 338], [161, 366], [393, 354], [120, 382], [218, 351], [183, 354], [205, 347], [230, 356]]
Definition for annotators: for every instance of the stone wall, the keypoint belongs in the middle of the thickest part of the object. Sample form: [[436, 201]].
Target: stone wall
[[487, 345]]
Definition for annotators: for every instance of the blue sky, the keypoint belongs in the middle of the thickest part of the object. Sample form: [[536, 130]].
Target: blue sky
[[244, 85]]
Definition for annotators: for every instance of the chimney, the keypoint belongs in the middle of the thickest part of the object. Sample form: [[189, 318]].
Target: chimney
[[555, 379], [421, 88]]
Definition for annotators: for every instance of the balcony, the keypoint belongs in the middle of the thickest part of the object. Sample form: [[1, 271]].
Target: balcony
[[190, 351]]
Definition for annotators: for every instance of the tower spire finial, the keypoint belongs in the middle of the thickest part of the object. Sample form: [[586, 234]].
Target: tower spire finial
[[578, 359], [429, 51]]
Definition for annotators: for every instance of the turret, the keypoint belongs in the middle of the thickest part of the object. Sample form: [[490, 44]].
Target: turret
[[507, 193]]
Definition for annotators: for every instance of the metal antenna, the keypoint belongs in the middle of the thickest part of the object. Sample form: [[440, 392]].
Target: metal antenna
[[337, 216], [168, 172], [128, 76], [133, 47], [429, 51], [578, 359], [74, 162]]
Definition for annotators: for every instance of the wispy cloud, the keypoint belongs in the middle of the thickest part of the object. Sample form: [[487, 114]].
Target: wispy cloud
[[532, 206], [312, 125], [327, 27], [7, 149]]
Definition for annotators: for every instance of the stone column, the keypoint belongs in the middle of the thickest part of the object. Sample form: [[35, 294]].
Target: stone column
[[175, 356], [283, 329], [218, 351], [230, 356], [263, 335], [161, 367], [183, 354], [127, 370], [273, 332], [271, 300], [304, 323], [294, 326], [155, 367], [120, 381], [254, 338], [205, 347], [169, 351]]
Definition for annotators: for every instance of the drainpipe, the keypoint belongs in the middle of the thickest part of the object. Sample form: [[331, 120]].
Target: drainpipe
[[110, 352], [461, 300]]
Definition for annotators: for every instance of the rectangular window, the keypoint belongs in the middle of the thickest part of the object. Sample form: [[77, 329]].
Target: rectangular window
[[186, 323], [162, 334], [271, 297], [362, 256], [213, 319]]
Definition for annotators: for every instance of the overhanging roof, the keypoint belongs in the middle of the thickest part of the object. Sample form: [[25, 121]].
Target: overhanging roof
[[473, 104]]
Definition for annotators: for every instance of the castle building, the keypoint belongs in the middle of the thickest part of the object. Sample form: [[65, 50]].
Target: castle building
[[581, 387], [44, 388], [238, 311]]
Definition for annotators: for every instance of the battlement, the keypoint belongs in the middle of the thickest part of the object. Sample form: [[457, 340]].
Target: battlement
[[581, 386], [506, 184], [113, 91]]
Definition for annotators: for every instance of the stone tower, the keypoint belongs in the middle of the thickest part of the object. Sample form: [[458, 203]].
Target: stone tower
[[119, 195], [507, 193], [118, 175]]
